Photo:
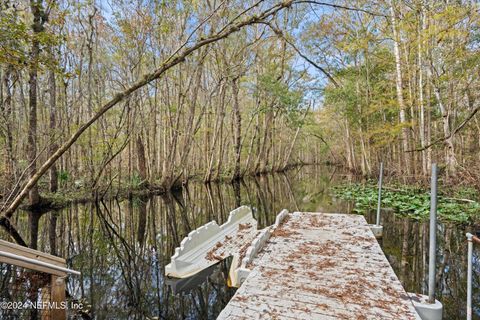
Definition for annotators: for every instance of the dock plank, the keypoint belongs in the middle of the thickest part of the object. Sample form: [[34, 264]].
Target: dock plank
[[321, 266]]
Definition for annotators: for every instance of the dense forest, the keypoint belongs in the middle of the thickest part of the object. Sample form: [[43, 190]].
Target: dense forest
[[127, 124], [408, 83], [115, 95], [228, 108]]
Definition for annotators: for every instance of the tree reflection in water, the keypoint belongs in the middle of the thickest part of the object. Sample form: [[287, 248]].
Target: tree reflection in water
[[406, 246], [122, 247]]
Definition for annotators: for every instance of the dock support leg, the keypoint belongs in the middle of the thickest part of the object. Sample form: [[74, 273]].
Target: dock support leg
[[58, 298], [432, 253], [426, 310], [377, 228], [469, 276], [427, 306], [379, 203]]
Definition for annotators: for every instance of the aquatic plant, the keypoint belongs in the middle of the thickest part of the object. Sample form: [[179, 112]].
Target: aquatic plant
[[409, 201]]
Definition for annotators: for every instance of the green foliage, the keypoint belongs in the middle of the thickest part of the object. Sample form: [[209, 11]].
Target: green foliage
[[63, 176], [362, 104], [136, 181], [13, 38], [278, 96], [408, 201]]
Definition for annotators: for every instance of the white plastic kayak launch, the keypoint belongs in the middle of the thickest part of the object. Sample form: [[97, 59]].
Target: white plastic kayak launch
[[212, 243]]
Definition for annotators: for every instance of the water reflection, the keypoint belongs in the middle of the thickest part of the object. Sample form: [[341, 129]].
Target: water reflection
[[122, 247], [406, 245]]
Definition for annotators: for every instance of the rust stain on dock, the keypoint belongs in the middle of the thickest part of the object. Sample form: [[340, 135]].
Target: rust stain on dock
[[321, 266]]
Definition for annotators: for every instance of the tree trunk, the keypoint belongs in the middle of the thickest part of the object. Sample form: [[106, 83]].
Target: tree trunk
[[39, 19], [399, 87], [34, 197], [237, 130], [52, 233], [420, 92], [53, 129], [7, 108], [350, 162], [141, 160], [450, 158]]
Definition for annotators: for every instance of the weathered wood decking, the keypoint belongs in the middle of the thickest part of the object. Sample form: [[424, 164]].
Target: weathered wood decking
[[321, 266]]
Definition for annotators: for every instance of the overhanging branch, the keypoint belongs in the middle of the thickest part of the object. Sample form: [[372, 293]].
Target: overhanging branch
[[321, 69], [337, 6], [455, 131]]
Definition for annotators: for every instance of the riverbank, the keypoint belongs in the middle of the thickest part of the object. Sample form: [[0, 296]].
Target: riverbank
[[67, 196], [455, 204]]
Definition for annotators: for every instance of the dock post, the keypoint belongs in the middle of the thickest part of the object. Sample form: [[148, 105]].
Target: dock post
[[427, 306], [379, 204], [469, 276], [377, 228], [432, 253]]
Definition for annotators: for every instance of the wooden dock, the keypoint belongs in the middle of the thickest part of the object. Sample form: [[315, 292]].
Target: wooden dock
[[321, 266]]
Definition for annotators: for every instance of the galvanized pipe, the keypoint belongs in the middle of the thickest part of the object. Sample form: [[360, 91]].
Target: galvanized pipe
[[433, 235], [469, 276], [38, 263], [379, 204]]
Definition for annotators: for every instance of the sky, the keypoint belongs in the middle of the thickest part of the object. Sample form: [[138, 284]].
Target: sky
[[107, 9]]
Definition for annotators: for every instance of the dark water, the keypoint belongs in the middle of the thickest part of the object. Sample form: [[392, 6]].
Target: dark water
[[122, 247]]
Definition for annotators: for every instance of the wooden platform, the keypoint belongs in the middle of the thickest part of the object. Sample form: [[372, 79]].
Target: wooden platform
[[321, 266]]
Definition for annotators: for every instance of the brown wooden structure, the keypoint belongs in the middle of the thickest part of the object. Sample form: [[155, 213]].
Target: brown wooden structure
[[55, 267]]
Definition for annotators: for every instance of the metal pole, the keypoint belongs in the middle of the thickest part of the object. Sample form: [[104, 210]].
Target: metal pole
[[433, 239], [38, 262], [469, 276], [380, 178]]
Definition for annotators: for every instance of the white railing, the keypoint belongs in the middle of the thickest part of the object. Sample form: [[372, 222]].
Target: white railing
[[37, 262]]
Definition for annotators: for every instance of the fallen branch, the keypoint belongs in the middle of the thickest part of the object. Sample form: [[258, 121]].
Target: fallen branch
[[457, 129], [461, 200]]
